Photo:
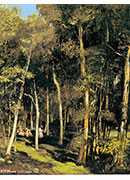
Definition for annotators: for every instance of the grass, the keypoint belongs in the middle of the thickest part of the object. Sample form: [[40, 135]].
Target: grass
[[58, 167], [48, 165]]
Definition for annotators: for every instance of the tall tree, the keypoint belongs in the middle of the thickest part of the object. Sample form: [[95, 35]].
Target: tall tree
[[81, 16], [52, 14], [33, 33]]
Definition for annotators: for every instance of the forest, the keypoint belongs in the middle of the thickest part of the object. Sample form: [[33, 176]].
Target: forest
[[64, 90]]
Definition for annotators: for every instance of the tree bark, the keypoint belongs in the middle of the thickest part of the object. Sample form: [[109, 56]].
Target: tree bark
[[83, 149], [11, 140], [9, 125], [65, 118], [86, 125], [99, 116], [60, 108], [48, 113], [31, 116], [107, 102], [37, 117], [82, 57], [125, 100], [51, 109], [107, 32]]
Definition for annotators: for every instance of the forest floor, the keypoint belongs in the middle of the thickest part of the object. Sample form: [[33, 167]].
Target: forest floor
[[51, 159], [26, 160]]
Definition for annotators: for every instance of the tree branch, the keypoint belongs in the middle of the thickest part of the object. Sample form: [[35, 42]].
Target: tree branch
[[110, 47], [31, 97]]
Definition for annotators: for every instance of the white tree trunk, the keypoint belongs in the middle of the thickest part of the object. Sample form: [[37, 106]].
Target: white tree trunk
[[60, 108], [31, 116], [11, 140], [48, 113], [37, 117]]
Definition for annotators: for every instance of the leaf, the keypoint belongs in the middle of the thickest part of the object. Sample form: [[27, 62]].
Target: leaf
[[9, 23], [4, 79], [16, 71]]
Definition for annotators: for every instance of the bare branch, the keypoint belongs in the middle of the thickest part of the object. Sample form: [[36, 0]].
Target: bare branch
[[114, 51], [31, 97]]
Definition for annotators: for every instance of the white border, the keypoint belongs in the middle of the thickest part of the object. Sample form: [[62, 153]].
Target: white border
[[64, 2], [64, 177]]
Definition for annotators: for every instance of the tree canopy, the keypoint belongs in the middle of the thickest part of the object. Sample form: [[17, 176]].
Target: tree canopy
[[66, 71]]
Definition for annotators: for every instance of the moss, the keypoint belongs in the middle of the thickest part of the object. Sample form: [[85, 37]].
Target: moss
[[58, 167], [20, 146], [70, 168]]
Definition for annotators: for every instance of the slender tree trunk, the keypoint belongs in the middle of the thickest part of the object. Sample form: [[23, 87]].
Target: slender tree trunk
[[48, 113], [66, 109], [86, 120], [82, 56], [67, 115], [51, 109], [9, 121], [31, 116], [4, 132], [107, 81], [99, 117], [60, 108], [125, 100], [83, 149], [37, 117], [9, 125], [107, 32], [107, 102], [95, 140], [11, 140], [24, 119], [51, 117], [86, 124], [65, 118]]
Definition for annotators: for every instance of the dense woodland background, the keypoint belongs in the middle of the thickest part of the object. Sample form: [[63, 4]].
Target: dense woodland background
[[64, 81]]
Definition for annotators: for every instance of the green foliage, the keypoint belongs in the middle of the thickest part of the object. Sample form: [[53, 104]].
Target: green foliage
[[4, 79], [1, 62], [70, 49], [84, 14], [10, 22], [14, 72], [112, 146], [51, 13], [56, 38], [35, 33]]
